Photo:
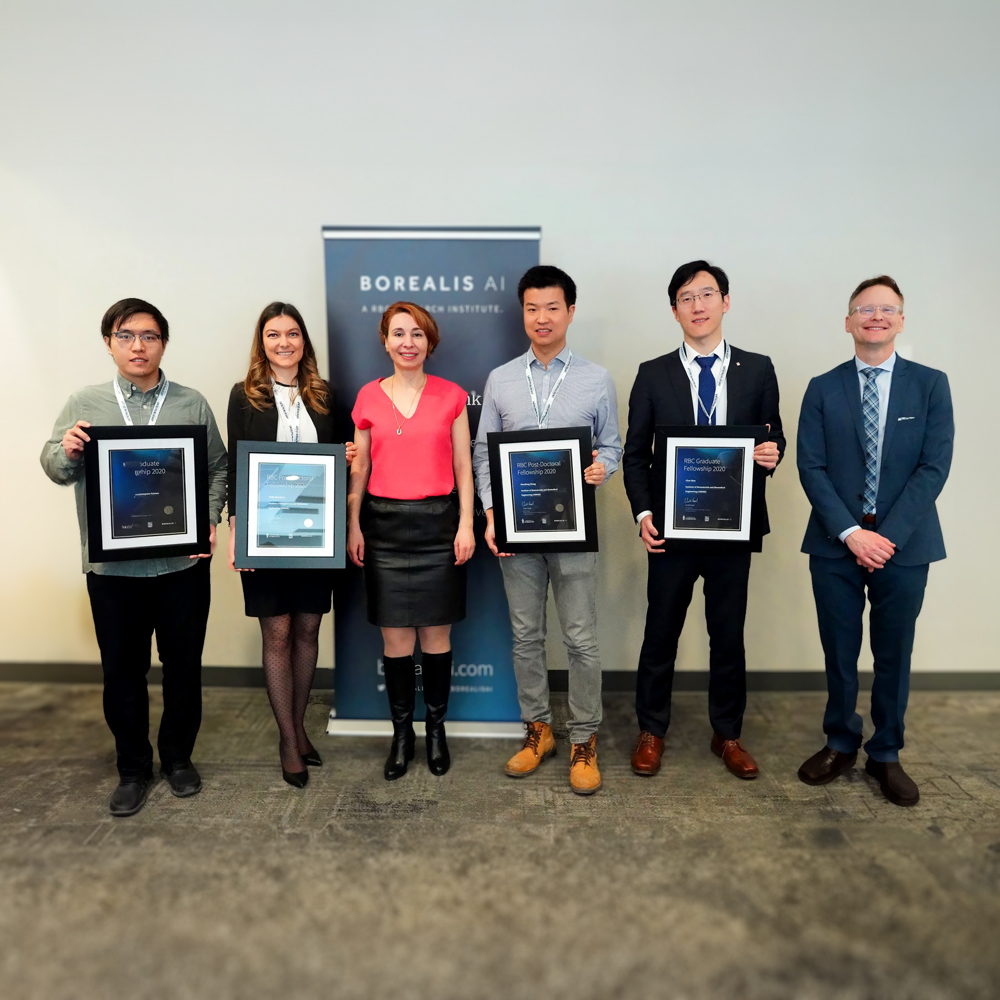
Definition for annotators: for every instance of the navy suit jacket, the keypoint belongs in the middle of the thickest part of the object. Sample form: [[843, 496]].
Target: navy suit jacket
[[916, 457], [661, 395]]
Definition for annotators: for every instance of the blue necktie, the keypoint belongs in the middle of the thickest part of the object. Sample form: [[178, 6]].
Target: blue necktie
[[706, 390], [869, 410]]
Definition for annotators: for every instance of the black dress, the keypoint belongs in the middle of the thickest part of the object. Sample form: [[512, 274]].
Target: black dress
[[270, 592]]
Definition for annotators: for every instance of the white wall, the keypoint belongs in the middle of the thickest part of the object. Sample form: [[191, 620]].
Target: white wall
[[189, 153]]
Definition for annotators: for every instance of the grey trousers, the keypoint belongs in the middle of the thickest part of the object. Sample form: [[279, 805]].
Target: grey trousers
[[526, 579]]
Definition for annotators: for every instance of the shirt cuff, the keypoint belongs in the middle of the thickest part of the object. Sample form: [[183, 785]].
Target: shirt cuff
[[641, 515], [849, 531]]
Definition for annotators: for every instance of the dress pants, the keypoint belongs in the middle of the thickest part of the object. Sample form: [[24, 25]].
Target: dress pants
[[896, 594], [526, 579], [127, 611], [669, 586]]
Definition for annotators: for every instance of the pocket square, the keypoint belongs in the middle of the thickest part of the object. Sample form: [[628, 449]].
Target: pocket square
[[905, 418]]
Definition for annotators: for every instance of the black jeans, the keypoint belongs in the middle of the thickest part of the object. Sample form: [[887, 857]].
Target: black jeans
[[127, 611], [668, 590]]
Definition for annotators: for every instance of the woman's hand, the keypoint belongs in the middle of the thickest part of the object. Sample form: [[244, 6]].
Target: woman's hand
[[352, 451], [356, 544], [465, 544], [231, 557]]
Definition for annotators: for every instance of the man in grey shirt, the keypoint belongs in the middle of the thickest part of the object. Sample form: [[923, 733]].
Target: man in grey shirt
[[550, 387], [132, 599]]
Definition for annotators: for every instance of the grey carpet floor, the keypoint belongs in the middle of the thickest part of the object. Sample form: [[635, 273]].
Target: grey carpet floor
[[691, 884]]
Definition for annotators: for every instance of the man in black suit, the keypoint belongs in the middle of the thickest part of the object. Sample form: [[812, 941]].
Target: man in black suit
[[706, 381], [874, 450]]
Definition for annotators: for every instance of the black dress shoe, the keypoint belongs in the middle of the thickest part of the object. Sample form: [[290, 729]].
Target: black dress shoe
[[183, 778], [312, 758], [297, 779], [821, 768], [130, 795], [897, 786]]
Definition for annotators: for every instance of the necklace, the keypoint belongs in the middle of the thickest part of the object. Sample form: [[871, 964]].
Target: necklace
[[413, 404]]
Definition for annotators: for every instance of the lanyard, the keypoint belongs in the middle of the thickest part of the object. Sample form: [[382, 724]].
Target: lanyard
[[293, 426], [160, 397], [552, 395], [720, 382]]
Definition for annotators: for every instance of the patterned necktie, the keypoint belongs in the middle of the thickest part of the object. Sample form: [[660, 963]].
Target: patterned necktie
[[706, 390], [869, 410]]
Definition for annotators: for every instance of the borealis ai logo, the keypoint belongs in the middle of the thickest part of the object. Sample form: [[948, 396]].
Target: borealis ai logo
[[428, 283]]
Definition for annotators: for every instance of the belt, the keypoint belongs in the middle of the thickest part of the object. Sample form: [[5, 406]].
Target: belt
[[868, 520]]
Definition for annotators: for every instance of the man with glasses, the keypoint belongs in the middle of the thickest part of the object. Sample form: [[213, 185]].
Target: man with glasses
[[133, 599], [705, 382], [874, 449]]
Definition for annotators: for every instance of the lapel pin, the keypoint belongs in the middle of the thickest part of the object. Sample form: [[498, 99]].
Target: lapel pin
[[737, 364]]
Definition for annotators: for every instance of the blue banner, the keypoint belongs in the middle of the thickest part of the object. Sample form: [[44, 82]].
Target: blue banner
[[467, 279]]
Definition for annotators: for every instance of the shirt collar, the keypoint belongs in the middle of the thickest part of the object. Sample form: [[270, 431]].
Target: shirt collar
[[562, 356], [690, 353], [886, 366], [128, 387]]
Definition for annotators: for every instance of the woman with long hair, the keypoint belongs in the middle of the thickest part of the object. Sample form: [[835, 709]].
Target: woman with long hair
[[410, 524], [283, 398]]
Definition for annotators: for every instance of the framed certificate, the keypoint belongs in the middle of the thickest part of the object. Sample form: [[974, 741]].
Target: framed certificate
[[713, 491], [540, 501], [291, 505], [147, 492]]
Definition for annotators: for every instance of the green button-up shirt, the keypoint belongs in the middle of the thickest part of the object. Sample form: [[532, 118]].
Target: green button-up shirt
[[98, 405]]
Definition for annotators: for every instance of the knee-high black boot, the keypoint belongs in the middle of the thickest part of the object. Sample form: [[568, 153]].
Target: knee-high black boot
[[401, 686], [436, 669]]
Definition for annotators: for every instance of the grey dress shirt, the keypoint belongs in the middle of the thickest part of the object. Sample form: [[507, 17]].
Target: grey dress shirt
[[98, 405], [587, 398]]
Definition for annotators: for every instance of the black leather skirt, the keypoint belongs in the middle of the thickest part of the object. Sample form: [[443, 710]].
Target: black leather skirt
[[411, 578]]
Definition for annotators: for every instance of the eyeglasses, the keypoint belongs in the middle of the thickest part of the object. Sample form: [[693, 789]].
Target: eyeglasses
[[707, 296], [869, 311], [126, 337]]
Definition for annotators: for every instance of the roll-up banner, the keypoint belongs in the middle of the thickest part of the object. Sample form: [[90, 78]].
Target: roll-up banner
[[467, 279]]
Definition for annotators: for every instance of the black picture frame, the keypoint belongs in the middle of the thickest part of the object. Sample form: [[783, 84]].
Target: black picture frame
[[332, 552], [665, 439], [501, 445], [104, 467]]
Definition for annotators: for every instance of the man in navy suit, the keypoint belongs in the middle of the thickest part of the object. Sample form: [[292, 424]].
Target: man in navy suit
[[874, 449], [706, 381]]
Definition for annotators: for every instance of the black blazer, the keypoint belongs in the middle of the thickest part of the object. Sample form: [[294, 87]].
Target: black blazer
[[245, 423], [661, 395]]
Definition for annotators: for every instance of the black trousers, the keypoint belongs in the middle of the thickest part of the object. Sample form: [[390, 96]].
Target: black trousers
[[669, 586], [127, 612]]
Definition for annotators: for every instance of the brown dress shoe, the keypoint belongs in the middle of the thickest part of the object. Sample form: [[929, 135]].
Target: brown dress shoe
[[735, 757], [897, 785], [647, 753], [824, 766]]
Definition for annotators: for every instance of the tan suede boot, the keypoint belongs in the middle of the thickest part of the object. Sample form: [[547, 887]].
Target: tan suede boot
[[539, 744], [584, 778]]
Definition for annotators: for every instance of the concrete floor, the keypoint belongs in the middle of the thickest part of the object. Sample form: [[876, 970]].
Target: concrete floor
[[688, 885]]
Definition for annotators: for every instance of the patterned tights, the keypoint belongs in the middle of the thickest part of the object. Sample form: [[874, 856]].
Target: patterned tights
[[290, 648]]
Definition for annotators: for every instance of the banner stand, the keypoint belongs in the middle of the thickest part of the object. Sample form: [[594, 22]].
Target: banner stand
[[383, 727]]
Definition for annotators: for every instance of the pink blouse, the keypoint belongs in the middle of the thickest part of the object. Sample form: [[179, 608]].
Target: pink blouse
[[418, 462]]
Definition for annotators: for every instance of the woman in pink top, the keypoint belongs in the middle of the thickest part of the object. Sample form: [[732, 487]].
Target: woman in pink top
[[410, 524]]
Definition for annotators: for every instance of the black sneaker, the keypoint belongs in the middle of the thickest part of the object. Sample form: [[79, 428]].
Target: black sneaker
[[182, 778], [130, 795]]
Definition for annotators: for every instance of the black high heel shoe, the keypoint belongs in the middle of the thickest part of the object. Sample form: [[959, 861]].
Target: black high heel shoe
[[297, 779], [312, 758]]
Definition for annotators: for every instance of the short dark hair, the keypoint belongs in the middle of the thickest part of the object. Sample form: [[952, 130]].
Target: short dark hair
[[547, 276], [126, 309], [882, 279], [686, 272]]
